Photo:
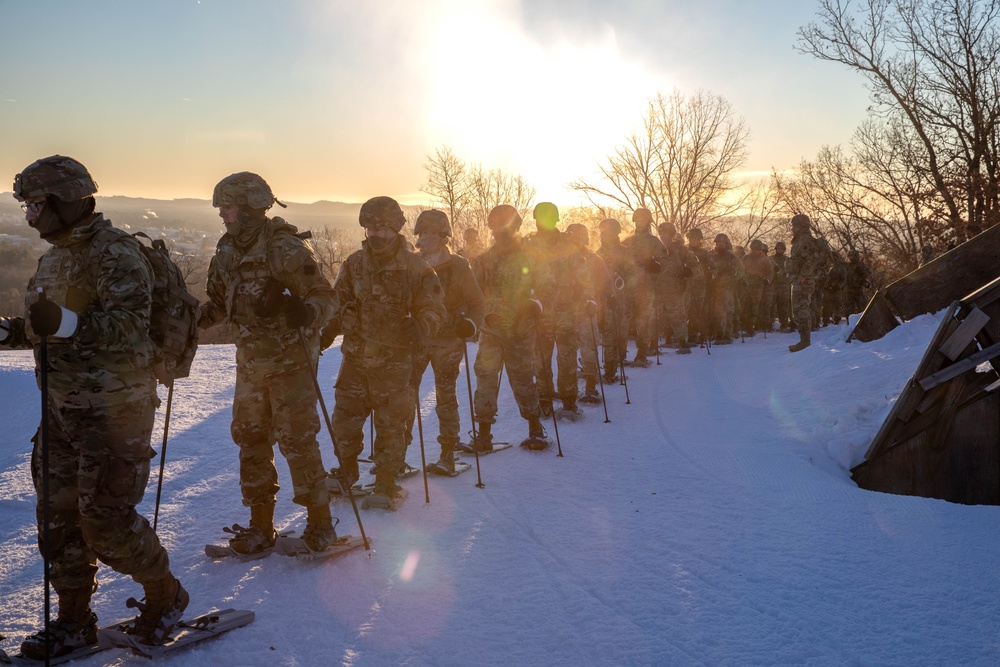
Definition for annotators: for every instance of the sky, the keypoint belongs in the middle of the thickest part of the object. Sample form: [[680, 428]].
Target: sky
[[345, 100], [712, 521]]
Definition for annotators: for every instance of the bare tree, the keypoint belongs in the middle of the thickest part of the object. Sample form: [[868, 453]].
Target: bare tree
[[761, 217], [935, 63], [333, 246], [448, 183], [681, 165]]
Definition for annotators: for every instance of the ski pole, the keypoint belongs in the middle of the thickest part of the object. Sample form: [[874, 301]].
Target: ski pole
[[472, 413], [329, 428], [163, 452], [420, 425], [43, 360], [555, 425], [600, 379], [621, 351]]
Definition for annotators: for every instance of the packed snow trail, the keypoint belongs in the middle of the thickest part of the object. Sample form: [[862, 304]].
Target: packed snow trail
[[712, 522]]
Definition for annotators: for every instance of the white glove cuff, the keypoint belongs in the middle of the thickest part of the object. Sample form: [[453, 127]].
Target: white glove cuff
[[67, 327]]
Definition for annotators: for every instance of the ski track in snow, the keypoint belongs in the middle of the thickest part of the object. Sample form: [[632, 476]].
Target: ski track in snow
[[712, 522]]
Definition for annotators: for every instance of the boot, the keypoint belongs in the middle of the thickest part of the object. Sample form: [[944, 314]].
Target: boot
[[347, 474], [683, 347], [161, 609], [545, 405], [259, 536], [590, 394], [569, 410], [536, 440], [445, 464], [483, 442], [804, 339], [75, 627], [319, 534]]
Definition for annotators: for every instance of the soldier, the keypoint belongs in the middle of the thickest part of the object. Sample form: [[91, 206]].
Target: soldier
[[648, 254], [590, 318], [804, 265], [698, 288], [508, 277], [472, 246], [561, 298], [671, 289], [91, 297], [833, 296], [724, 276], [623, 277], [387, 299], [782, 287], [859, 278], [927, 254], [759, 273], [465, 306], [265, 284]]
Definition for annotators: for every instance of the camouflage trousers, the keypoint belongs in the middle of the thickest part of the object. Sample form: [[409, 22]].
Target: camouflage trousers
[[586, 326], [385, 388], [643, 310], [754, 306], [802, 303], [517, 355], [855, 301], [279, 408], [615, 342], [722, 313], [98, 469], [562, 339], [782, 303], [444, 355], [696, 307], [671, 314]]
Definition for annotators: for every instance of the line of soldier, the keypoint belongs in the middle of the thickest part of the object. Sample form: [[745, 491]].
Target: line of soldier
[[526, 298]]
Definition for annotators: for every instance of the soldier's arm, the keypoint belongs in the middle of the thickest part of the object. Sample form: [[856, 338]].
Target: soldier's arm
[[301, 274], [472, 295], [427, 298], [125, 291], [213, 311]]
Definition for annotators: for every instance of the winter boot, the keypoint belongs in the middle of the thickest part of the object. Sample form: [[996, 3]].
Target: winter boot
[[569, 411], [347, 474], [159, 611], [446, 462], [483, 440], [536, 440], [545, 405], [386, 495], [260, 536], [75, 627], [683, 347], [805, 336], [319, 534], [590, 394]]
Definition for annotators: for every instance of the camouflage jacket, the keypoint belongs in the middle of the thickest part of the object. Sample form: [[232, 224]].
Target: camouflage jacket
[[701, 276], [677, 263], [620, 264], [726, 269], [562, 294], [644, 248], [508, 277], [758, 268], [236, 280], [374, 292], [108, 360], [462, 296], [859, 276], [806, 257], [781, 266]]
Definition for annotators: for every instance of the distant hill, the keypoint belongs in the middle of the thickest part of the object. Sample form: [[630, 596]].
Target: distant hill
[[199, 215]]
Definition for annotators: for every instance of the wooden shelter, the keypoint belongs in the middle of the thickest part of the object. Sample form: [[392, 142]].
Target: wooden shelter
[[941, 438], [933, 286]]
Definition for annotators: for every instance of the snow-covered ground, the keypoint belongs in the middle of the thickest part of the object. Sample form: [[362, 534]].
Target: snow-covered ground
[[712, 522]]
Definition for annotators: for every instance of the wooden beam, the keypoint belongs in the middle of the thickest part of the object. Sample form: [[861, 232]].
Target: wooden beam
[[964, 334], [959, 367]]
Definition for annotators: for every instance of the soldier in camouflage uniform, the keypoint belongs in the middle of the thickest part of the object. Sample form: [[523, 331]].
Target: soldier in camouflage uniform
[[859, 278], [472, 246], [465, 305], [387, 299], [591, 317], [623, 274], [561, 298], [725, 272], [759, 273], [265, 283], [782, 287], [648, 254], [698, 288], [91, 296], [833, 297], [508, 277], [802, 272], [671, 289]]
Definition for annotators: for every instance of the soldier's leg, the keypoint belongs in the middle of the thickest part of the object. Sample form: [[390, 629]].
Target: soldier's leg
[[353, 405], [392, 397], [519, 358], [676, 315], [489, 358], [446, 357], [421, 360], [643, 319], [544, 347], [114, 451], [252, 431], [567, 344], [296, 425]]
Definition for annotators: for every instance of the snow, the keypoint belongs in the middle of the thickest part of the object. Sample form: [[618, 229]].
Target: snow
[[712, 522]]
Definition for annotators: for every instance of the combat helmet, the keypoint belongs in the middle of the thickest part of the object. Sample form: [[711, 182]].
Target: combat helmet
[[432, 220], [610, 225], [504, 217], [642, 217], [243, 189], [800, 221], [546, 214], [59, 176], [382, 212]]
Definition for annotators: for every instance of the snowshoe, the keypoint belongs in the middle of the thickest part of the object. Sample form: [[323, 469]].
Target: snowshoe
[[569, 411], [723, 341], [159, 611], [590, 396], [250, 541], [481, 443], [385, 499], [62, 638], [640, 362], [320, 537], [405, 471], [683, 349], [536, 443]]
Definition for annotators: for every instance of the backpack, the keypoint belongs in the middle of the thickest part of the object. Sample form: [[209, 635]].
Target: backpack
[[173, 318]]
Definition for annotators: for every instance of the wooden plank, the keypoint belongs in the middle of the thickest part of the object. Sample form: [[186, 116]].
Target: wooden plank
[[877, 320], [959, 367], [970, 327], [951, 276]]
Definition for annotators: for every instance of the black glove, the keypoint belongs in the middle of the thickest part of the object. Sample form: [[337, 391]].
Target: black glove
[[465, 328], [271, 300], [297, 312], [411, 329], [47, 319], [329, 334], [4, 329], [590, 307], [652, 265]]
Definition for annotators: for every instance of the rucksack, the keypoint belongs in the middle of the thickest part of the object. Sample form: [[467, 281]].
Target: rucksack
[[173, 318]]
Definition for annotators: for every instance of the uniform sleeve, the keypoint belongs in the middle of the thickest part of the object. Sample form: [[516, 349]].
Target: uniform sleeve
[[427, 304], [125, 291], [472, 296], [213, 311], [301, 274]]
